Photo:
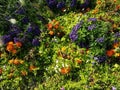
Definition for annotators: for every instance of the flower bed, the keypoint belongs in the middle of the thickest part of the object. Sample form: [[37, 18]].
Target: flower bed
[[60, 45]]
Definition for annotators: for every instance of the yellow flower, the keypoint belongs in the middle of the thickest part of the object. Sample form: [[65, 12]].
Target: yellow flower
[[21, 61], [11, 61], [63, 49], [117, 54], [114, 25], [95, 11], [80, 14], [116, 65], [24, 73]]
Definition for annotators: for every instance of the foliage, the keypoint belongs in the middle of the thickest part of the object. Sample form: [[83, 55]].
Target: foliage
[[59, 44]]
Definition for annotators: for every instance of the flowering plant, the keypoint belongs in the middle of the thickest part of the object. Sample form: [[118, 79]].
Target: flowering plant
[[93, 34]]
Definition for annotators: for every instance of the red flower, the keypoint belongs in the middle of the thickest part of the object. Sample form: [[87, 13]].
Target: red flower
[[110, 52]]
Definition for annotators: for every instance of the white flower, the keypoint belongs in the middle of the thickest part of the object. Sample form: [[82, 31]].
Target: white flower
[[13, 21], [22, 2]]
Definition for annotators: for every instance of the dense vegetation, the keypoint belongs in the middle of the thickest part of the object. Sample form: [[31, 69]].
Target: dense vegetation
[[59, 44]]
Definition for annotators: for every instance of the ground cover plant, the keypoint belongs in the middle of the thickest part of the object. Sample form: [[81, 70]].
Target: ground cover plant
[[59, 45]]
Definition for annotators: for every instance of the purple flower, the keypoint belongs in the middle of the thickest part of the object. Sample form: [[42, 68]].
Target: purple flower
[[117, 34], [100, 40], [73, 34], [33, 30], [100, 59], [20, 11], [91, 27], [26, 38], [62, 88], [116, 41], [16, 39], [30, 29], [51, 3], [25, 20], [14, 32], [61, 5], [85, 4], [73, 37], [73, 3], [113, 88], [36, 31], [92, 19], [6, 38], [83, 44], [41, 18], [35, 42]]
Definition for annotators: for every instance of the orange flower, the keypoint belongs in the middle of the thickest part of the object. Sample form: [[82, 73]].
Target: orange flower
[[32, 67], [115, 0], [65, 70], [118, 7], [88, 9], [51, 33], [10, 47], [114, 25], [57, 23], [18, 44], [23, 73], [10, 42], [115, 45], [14, 51], [56, 26], [110, 52], [98, 2], [79, 61], [16, 62], [53, 21], [49, 25], [1, 70], [95, 11], [61, 27]]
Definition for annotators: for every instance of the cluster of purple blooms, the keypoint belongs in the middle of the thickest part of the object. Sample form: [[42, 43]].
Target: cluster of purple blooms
[[73, 35], [15, 34], [100, 59], [25, 36], [62, 4], [85, 41], [100, 40]]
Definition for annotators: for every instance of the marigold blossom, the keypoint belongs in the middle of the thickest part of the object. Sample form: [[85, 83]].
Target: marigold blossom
[[110, 52], [65, 70], [18, 44]]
